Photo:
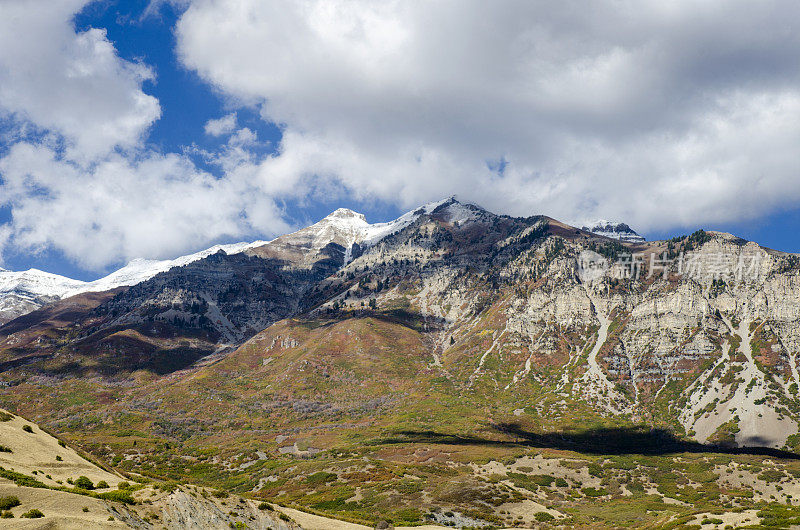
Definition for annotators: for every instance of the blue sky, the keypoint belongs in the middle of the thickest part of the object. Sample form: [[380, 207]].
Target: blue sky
[[378, 109]]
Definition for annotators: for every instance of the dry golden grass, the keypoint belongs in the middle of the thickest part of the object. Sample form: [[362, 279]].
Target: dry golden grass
[[61, 510], [37, 451]]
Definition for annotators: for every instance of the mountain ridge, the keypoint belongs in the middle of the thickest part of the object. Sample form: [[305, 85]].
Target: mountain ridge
[[612, 229], [461, 338], [25, 291]]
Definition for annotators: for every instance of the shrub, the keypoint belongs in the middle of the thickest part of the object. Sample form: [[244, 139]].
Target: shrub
[[102, 485], [595, 470], [32, 514], [62, 443], [6, 515], [27, 428], [772, 475], [59, 459], [21, 479], [542, 480], [5, 449], [265, 506], [123, 496], [84, 483], [85, 509], [543, 517], [284, 517], [594, 492], [6, 503], [320, 478], [409, 515], [5, 416], [124, 485]]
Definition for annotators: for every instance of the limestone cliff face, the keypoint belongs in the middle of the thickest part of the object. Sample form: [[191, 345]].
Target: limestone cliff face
[[706, 332]]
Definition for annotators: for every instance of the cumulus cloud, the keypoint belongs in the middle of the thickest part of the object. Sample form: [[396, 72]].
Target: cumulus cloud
[[661, 114], [124, 207], [221, 126], [73, 84], [75, 170]]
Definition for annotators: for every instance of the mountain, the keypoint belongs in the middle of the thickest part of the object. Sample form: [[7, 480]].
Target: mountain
[[498, 369], [613, 230], [22, 292], [139, 270], [344, 229], [176, 312]]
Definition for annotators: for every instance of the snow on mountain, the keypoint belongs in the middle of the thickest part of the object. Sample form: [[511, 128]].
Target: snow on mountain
[[26, 291], [376, 232], [36, 283], [23, 292], [139, 270], [613, 230], [348, 228]]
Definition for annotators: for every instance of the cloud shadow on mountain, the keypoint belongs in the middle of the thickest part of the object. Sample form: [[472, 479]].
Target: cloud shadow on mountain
[[604, 441]]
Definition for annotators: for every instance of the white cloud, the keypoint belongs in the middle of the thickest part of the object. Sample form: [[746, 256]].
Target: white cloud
[[221, 126], [661, 114], [123, 207], [73, 84], [76, 172]]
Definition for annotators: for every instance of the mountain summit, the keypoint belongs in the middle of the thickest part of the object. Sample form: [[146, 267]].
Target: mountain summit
[[614, 230]]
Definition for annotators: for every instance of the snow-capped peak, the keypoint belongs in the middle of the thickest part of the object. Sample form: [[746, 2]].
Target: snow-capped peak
[[346, 213], [24, 291], [348, 228], [613, 229], [377, 231], [34, 282]]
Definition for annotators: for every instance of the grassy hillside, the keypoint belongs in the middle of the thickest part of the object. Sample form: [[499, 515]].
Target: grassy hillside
[[349, 417]]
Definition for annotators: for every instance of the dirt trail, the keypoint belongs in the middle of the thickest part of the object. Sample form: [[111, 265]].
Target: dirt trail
[[316, 522]]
